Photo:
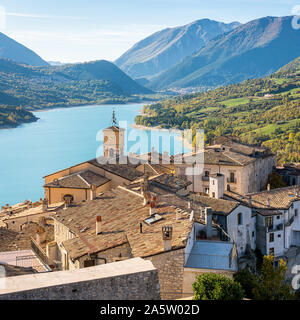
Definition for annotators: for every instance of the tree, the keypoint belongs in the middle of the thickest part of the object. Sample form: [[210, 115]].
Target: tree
[[247, 280], [271, 283], [211, 286]]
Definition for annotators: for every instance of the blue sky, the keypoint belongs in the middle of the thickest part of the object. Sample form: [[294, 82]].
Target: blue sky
[[77, 31]]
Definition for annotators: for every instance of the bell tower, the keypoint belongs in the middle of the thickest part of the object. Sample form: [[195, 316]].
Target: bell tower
[[113, 144]]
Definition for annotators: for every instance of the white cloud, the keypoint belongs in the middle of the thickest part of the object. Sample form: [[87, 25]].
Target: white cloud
[[41, 16], [68, 46]]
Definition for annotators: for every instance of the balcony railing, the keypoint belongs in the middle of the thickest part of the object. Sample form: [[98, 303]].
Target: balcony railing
[[205, 178], [290, 221], [273, 228], [39, 251], [231, 180]]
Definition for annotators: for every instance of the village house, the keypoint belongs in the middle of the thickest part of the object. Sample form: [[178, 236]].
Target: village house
[[181, 239], [277, 218], [246, 168], [290, 173]]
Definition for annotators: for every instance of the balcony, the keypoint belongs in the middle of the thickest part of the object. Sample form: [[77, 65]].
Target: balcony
[[290, 221], [273, 228]]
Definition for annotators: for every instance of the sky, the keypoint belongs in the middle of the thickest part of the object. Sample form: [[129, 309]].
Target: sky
[[86, 30]]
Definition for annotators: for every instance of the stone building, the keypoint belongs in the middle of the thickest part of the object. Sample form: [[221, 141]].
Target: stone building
[[290, 173], [245, 167], [129, 222], [277, 218]]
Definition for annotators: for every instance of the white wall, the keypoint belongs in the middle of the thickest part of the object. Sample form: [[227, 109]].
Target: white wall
[[239, 232]]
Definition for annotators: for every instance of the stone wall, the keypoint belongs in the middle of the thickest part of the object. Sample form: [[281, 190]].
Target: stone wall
[[132, 279], [170, 266]]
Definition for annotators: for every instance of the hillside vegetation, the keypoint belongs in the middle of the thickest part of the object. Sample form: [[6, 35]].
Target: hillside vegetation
[[263, 111], [11, 117], [35, 88]]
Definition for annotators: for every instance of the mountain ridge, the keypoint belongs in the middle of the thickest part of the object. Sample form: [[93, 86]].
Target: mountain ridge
[[167, 47], [13, 50], [254, 49]]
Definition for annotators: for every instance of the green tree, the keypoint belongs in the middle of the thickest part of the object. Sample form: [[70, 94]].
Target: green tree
[[247, 280], [271, 283], [211, 286]]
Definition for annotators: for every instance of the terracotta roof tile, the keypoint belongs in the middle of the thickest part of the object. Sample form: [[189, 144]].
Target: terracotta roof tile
[[122, 211]]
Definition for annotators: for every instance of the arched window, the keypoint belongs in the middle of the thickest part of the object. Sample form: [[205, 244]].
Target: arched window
[[68, 198], [111, 152]]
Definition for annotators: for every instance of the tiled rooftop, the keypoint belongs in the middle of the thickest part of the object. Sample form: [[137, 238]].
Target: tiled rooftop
[[11, 240], [127, 170], [122, 211], [280, 198], [12, 271], [219, 206], [81, 180]]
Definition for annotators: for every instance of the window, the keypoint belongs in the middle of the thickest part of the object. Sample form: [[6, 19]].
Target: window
[[206, 190], [269, 222], [232, 177], [271, 251], [296, 212], [88, 263], [206, 173], [213, 194], [278, 217], [279, 235], [271, 237], [253, 234], [239, 218], [111, 152]]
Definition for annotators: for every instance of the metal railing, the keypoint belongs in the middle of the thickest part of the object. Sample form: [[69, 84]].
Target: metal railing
[[290, 221], [39, 251]]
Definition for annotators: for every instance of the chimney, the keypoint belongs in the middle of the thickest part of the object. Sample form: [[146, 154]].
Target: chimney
[[178, 214], [192, 215], [268, 187], [208, 222], [45, 205], [98, 225], [152, 205], [145, 189], [93, 191], [268, 202], [167, 237], [68, 200]]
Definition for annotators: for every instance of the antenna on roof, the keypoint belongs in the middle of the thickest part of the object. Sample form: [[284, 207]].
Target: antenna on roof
[[114, 120]]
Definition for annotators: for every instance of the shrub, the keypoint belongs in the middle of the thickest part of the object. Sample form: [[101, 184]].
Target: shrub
[[211, 286]]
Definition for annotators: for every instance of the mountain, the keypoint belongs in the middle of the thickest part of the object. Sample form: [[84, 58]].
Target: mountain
[[96, 82], [255, 49], [165, 48], [100, 70], [264, 110], [10, 49]]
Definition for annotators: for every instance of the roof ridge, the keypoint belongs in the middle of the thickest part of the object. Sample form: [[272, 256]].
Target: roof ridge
[[83, 179]]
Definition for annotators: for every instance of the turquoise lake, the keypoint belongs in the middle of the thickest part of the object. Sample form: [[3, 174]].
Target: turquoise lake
[[62, 138]]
